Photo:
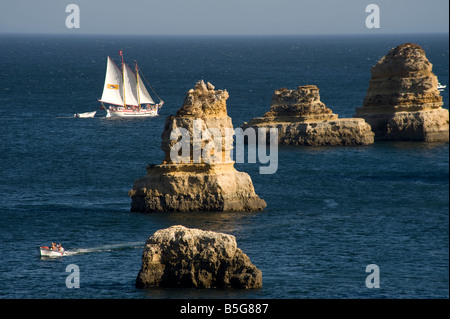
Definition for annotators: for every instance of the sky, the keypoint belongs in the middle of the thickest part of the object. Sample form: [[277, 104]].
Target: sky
[[223, 17]]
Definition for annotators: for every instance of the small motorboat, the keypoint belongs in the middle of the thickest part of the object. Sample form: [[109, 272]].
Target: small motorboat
[[52, 252], [85, 115], [441, 87]]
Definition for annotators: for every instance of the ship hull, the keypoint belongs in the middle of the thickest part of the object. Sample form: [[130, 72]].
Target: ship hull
[[47, 252], [131, 113]]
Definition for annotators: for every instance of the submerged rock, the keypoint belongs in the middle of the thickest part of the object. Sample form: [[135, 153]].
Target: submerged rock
[[204, 179], [402, 101], [194, 258], [302, 119]]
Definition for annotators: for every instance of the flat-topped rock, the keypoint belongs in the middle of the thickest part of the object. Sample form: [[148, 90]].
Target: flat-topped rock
[[300, 105], [302, 119]]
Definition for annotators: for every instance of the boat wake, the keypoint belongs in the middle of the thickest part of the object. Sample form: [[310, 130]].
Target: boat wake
[[105, 248]]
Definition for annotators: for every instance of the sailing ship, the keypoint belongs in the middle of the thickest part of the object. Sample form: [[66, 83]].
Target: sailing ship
[[125, 94]]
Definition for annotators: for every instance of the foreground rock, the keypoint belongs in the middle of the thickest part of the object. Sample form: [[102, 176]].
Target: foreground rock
[[402, 101], [193, 258], [302, 119], [189, 182]]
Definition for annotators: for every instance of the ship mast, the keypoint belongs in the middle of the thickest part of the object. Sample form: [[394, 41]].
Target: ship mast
[[123, 79], [137, 86]]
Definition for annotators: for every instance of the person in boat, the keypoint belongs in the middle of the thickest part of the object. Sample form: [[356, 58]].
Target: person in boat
[[53, 247], [60, 247]]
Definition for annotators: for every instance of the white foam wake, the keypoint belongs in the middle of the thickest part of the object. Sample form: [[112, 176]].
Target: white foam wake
[[77, 251]]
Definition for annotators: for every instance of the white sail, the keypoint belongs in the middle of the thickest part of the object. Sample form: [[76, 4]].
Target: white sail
[[144, 96], [113, 89], [129, 80]]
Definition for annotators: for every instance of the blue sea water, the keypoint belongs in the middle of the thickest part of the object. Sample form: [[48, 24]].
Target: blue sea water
[[330, 213]]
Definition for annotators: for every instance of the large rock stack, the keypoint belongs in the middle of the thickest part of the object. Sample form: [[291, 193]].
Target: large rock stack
[[402, 101], [193, 258], [204, 177], [302, 119]]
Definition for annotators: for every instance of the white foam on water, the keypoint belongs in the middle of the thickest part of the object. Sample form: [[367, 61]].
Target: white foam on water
[[331, 203], [132, 245]]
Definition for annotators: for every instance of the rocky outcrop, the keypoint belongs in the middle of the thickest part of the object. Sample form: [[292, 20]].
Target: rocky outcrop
[[193, 258], [302, 119], [200, 176], [402, 101]]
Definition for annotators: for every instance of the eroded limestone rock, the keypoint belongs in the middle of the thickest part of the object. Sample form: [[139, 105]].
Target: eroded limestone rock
[[195, 183], [194, 258], [402, 101], [302, 119]]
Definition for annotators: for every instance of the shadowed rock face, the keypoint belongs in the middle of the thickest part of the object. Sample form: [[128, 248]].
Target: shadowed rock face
[[302, 119], [193, 258], [402, 101], [195, 184]]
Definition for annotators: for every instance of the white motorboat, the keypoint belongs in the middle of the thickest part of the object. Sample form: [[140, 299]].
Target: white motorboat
[[441, 87], [85, 115], [49, 252], [125, 94]]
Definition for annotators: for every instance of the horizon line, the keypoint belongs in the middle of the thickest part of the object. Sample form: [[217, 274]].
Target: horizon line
[[75, 33]]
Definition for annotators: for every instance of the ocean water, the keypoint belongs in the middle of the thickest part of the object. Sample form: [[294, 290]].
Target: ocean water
[[330, 213]]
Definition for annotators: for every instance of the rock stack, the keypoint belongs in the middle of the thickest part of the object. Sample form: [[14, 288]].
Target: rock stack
[[193, 258], [402, 101], [302, 119], [201, 176]]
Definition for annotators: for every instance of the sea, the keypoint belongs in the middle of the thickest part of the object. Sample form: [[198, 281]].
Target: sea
[[365, 222]]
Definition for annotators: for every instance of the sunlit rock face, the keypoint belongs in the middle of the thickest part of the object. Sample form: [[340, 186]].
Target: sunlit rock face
[[402, 101]]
